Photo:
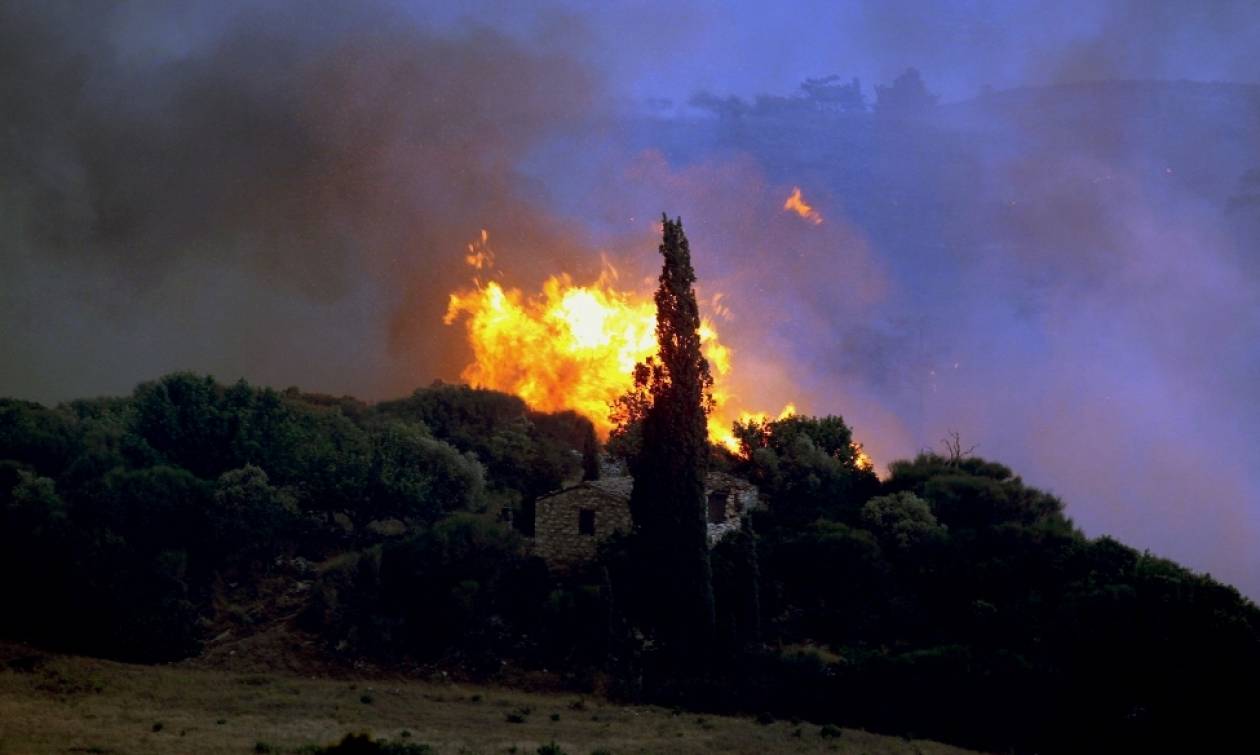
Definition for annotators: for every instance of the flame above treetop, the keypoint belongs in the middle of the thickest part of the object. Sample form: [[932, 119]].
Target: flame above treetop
[[574, 346]]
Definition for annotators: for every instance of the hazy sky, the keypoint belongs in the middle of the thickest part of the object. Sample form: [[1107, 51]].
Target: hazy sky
[[282, 192], [666, 49]]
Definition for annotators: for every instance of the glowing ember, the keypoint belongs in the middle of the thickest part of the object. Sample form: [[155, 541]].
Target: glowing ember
[[479, 254], [575, 346], [796, 203]]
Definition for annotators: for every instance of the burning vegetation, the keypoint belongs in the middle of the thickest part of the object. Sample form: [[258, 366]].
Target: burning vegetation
[[575, 346], [797, 204]]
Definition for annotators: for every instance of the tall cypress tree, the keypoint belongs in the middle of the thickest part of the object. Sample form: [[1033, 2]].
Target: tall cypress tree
[[667, 501]]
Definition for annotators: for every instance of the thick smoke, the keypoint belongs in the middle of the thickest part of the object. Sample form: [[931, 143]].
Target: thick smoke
[[271, 191]]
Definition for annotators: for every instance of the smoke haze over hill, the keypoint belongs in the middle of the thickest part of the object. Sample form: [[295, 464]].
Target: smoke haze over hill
[[1063, 270]]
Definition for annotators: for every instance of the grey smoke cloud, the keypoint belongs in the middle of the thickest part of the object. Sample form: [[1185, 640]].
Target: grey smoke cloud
[[178, 173]]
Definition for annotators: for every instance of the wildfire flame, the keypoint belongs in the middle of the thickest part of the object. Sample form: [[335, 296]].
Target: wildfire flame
[[575, 346], [796, 203], [860, 458]]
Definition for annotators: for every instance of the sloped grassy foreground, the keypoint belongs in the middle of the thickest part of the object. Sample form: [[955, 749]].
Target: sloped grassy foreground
[[71, 704]]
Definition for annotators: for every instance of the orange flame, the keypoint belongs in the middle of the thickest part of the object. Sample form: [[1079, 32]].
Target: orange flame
[[796, 203], [575, 346], [861, 459]]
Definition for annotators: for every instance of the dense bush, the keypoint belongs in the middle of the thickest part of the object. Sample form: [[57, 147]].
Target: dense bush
[[961, 604], [118, 515], [525, 453], [462, 589], [806, 467]]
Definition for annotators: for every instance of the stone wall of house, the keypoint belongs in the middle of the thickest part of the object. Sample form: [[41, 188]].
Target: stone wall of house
[[560, 542], [741, 497], [557, 538]]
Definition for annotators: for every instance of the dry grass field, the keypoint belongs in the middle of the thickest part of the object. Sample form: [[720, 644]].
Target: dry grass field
[[51, 703]]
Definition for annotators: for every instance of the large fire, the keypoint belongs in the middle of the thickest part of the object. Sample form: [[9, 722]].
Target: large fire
[[575, 346]]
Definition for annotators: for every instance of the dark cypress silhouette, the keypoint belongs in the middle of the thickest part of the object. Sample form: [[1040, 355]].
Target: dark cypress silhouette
[[667, 501]]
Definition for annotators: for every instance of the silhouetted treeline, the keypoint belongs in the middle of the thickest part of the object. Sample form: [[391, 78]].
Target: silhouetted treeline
[[949, 601], [906, 96], [120, 514]]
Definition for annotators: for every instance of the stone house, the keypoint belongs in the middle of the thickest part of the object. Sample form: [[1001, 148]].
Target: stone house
[[570, 524]]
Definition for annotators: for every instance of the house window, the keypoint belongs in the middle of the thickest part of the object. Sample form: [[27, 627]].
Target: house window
[[717, 508], [586, 521]]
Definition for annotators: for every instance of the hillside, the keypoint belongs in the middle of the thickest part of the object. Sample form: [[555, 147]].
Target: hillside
[[243, 530]]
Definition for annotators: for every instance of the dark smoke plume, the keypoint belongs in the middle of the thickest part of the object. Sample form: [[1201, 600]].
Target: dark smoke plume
[[256, 191]]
